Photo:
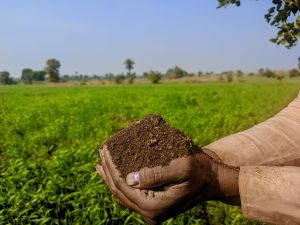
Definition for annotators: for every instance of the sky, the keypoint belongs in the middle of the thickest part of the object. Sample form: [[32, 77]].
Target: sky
[[96, 36]]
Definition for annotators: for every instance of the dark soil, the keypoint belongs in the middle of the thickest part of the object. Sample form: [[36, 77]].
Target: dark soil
[[149, 142]]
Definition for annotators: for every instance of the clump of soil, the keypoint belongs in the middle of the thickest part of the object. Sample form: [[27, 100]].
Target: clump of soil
[[149, 142]]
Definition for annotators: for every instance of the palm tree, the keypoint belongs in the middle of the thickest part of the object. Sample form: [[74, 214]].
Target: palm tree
[[129, 66]]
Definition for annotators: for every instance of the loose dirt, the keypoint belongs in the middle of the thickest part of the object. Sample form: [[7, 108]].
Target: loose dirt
[[148, 142]]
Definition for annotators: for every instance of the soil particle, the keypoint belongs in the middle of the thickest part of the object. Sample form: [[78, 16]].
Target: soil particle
[[148, 142]]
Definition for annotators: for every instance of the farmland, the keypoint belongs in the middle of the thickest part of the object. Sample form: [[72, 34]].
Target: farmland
[[49, 140]]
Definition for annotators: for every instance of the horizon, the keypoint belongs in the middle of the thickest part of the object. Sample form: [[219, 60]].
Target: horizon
[[96, 37]]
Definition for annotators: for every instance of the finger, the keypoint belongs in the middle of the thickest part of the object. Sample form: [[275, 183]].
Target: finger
[[122, 203], [100, 171], [178, 171], [150, 221], [137, 196], [118, 194], [101, 151], [145, 202]]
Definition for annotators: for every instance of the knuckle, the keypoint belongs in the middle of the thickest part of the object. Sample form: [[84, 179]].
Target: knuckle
[[157, 174], [150, 176]]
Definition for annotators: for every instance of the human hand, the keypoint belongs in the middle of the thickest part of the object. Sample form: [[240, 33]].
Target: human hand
[[162, 192]]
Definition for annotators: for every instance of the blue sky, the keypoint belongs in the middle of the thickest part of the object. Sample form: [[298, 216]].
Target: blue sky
[[96, 36]]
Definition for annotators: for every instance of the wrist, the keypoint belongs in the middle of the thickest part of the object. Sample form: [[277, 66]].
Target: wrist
[[228, 181], [223, 182]]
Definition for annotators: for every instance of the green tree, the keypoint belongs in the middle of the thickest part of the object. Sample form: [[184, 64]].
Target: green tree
[[4, 77], [261, 71], [27, 76], [284, 15], [154, 76], [175, 73], [39, 75], [129, 65], [239, 73], [269, 73], [119, 79], [299, 63], [294, 73], [52, 69]]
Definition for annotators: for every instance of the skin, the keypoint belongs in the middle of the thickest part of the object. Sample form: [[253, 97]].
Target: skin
[[164, 192]]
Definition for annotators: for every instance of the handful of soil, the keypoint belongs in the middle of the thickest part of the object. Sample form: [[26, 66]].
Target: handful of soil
[[149, 142]]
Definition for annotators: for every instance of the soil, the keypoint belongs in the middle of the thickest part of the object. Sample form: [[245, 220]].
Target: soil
[[148, 142]]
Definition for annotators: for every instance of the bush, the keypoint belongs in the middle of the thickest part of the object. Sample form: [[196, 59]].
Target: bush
[[154, 76]]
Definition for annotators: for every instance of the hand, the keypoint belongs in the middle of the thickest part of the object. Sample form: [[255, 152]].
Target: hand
[[162, 192]]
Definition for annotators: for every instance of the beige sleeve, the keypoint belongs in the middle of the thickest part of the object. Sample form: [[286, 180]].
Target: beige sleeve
[[273, 142], [271, 194]]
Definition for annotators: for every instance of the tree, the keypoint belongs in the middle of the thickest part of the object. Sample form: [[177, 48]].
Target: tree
[[39, 75], [129, 64], [131, 77], [284, 15], [4, 77], [119, 79], [261, 71], [175, 73], [239, 74], [154, 76], [145, 75], [294, 73], [52, 69], [268, 73], [299, 63], [27, 76], [109, 76], [229, 77]]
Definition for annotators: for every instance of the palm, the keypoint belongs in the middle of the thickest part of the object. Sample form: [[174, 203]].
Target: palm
[[129, 63]]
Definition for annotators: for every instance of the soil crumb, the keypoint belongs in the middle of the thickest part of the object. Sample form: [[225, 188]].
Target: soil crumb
[[148, 142]]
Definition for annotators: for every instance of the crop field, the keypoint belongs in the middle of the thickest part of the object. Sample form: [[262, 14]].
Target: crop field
[[49, 140]]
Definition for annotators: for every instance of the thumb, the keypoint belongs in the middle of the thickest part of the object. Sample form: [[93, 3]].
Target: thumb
[[176, 172], [149, 177]]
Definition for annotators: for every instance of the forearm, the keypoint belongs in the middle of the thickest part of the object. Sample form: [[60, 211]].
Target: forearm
[[273, 142], [270, 194]]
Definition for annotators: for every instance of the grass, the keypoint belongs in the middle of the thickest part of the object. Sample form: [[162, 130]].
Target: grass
[[49, 139]]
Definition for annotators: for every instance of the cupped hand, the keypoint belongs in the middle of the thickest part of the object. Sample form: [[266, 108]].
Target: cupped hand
[[160, 193]]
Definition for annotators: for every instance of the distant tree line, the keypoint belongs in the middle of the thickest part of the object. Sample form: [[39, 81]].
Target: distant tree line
[[29, 75], [52, 74]]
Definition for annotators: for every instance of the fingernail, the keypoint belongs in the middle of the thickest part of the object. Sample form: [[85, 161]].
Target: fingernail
[[133, 178]]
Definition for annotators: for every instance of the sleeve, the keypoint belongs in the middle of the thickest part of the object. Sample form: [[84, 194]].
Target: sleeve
[[270, 194], [271, 143]]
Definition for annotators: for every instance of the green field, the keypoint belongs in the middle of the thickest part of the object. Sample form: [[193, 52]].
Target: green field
[[49, 139]]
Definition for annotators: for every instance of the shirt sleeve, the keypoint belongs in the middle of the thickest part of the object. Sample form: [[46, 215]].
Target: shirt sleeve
[[271, 143], [270, 194]]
